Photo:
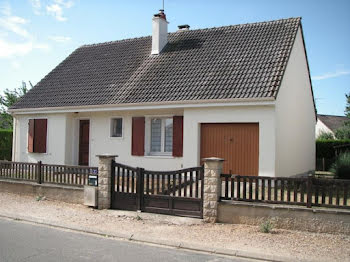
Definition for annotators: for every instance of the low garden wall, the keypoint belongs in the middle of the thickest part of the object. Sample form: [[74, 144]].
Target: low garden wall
[[285, 217], [62, 193]]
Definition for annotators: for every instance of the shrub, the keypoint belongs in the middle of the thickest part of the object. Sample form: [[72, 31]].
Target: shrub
[[341, 166], [266, 227], [5, 144]]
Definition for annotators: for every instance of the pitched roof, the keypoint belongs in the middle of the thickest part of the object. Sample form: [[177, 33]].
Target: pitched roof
[[333, 122], [241, 61]]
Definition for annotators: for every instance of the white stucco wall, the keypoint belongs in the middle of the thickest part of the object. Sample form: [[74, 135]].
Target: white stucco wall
[[63, 136], [63, 139], [295, 117], [264, 115], [56, 137], [102, 143], [322, 128]]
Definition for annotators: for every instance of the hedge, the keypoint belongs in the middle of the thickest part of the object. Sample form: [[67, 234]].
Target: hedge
[[325, 148], [5, 144]]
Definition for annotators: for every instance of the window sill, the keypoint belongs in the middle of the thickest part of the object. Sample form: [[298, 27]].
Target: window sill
[[160, 156], [116, 137], [37, 153]]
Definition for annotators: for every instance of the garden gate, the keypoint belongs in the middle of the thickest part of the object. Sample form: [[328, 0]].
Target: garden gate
[[169, 192]]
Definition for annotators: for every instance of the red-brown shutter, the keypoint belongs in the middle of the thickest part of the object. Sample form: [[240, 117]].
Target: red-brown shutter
[[40, 135], [177, 135], [138, 136], [31, 135]]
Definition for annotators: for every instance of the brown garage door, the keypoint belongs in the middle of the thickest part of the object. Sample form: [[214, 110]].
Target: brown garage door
[[237, 143]]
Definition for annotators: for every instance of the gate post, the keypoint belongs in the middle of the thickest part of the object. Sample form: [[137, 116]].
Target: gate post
[[104, 180], [212, 188], [139, 188]]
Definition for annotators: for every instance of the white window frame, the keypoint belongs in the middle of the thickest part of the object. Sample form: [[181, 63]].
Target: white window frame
[[110, 127], [148, 135]]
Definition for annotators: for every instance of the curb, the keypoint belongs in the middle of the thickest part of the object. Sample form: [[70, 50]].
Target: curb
[[166, 243]]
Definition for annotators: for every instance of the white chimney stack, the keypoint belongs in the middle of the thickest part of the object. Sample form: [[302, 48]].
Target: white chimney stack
[[159, 32]]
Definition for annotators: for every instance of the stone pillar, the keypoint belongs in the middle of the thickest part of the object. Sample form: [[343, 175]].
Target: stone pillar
[[104, 180], [212, 188]]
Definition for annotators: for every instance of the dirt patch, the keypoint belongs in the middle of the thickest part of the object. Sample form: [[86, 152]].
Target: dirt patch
[[299, 245]]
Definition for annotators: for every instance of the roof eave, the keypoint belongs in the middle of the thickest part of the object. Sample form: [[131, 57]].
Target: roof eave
[[268, 101]]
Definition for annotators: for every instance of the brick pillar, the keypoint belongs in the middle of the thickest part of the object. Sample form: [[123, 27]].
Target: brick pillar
[[104, 180], [212, 188]]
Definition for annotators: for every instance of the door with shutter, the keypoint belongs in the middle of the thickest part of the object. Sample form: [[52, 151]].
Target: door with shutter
[[84, 139], [237, 143], [138, 136]]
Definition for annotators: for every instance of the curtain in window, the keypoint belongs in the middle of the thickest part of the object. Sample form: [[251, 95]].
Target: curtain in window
[[156, 135]]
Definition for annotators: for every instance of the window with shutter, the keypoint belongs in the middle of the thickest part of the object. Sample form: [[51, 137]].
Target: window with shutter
[[37, 135], [161, 138]]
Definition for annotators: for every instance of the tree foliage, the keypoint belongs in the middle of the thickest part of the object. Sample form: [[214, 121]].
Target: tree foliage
[[6, 101], [344, 131], [347, 107], [325, 136]]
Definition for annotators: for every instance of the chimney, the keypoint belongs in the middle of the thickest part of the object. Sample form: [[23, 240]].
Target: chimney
[[159, 32], [183, 28]]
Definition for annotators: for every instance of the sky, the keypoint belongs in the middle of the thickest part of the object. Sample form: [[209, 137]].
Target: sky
[[36, 35]]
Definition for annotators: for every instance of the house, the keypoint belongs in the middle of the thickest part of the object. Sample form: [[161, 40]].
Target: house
[[165, 101], [329, 124]]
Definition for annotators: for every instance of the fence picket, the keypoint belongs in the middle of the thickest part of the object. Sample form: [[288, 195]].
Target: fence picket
[[226, 187], [345, 196], [232, 187], [250, 188], [191, 183], [269, 189], [197, 182], [244, 189]]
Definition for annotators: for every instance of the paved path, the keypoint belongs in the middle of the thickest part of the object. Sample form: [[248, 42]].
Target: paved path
[[21, 241]]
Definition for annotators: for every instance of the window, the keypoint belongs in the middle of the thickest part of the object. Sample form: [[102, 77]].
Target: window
[[37, 135], [117, 127], [161, 136]]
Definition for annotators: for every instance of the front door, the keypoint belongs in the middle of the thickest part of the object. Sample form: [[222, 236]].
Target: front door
[[84, 137]]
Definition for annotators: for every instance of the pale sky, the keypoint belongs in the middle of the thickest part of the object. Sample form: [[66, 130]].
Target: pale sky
[[36, 35]]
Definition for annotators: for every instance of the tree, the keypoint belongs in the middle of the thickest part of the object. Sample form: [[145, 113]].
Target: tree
[[347, 107], [6, 101], [344, 131], [325, 136]]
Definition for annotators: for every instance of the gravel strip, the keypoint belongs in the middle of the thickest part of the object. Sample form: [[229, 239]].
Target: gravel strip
[[303, 246]]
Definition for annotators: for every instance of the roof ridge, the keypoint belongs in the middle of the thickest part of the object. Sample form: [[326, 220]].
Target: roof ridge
[[114, 41], [330, 115], [192, 30], [238, 25]]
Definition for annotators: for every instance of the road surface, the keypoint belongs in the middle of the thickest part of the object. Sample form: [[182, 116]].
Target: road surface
[[21, 241]]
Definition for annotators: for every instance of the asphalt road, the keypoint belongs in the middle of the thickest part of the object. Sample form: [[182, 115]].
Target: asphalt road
[[20, 241]]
